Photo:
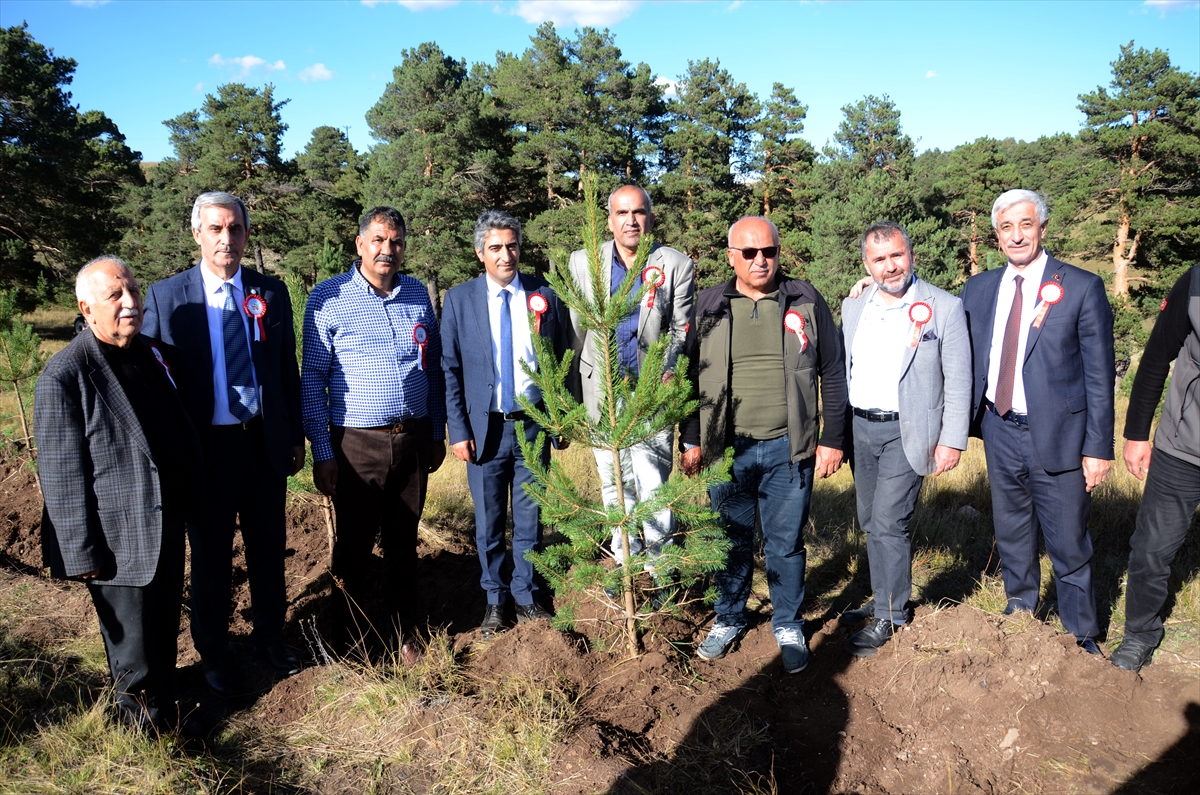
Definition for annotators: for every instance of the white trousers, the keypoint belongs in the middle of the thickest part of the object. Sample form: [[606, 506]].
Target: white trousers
[[644, 467]]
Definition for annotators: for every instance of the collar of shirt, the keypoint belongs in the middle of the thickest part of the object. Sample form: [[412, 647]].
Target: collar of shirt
[[214, 284], [1030, 286], [1032, 272], [360, 281]]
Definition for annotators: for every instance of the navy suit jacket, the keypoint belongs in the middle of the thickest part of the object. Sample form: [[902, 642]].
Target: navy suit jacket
[[1069, 368], [176, 313], [467, 353]]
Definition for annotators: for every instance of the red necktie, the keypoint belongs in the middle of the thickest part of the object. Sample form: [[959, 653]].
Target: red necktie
[[1008, 354]]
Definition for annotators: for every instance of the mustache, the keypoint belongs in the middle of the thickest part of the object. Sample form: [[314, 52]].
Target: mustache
[[129, 313], [387, 259]]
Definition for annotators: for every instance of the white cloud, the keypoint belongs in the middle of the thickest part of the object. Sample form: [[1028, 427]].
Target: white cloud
[[89, 3], [593, 13], [1167, 6], [414, 5], [734, 6], [199, 88], [315, 73], [243, 66], [668, 85], [930, 74]]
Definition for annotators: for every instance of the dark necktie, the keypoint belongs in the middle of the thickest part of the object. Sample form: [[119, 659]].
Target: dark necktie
[[1008, 354], [239, 378], [506, 354]]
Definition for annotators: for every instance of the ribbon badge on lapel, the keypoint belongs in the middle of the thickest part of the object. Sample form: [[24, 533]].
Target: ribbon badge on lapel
[[793, 321], [256, 307], [538, 306], [421, 337], [919, 313], [1050, 294], [162, 362], [656, 277]]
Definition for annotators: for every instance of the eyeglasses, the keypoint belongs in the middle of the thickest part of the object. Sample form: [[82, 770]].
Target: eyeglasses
[[751, 253]]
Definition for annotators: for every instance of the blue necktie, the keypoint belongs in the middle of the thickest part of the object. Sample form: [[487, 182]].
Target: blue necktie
[[506, 354], [239, 378]]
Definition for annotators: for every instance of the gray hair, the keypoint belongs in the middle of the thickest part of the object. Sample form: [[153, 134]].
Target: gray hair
[[83, 279], [1013, 197], [495, 219], [218, 198], [388, 216], [638, 188], [881, 231], [770, 223]]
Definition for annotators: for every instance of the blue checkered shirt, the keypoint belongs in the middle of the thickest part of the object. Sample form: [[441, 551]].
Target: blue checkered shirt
[[361, 363]]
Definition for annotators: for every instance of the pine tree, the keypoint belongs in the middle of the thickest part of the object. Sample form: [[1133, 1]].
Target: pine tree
[[574, 568], [21, 358], [974, 175]]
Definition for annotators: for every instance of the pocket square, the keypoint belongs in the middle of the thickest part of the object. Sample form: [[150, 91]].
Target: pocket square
[[929, 336]]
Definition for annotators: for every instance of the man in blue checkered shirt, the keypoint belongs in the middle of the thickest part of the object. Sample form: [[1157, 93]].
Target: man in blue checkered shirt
[[374, 409]]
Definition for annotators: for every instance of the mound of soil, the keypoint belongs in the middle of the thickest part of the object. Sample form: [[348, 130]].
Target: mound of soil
[[960, 701]]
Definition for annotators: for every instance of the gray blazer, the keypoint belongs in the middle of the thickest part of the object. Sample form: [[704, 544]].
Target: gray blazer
[[935, 381], [671, 313], [100, 485]]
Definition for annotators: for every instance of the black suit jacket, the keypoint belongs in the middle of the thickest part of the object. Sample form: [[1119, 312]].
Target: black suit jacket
[[176, 313]]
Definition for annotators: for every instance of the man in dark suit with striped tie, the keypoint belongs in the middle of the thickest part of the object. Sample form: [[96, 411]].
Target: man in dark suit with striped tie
[[232, 329]]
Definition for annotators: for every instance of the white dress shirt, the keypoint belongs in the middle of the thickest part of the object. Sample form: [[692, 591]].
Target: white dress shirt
[[1032, 273], [214, 298], [522, 343], [877, 351]]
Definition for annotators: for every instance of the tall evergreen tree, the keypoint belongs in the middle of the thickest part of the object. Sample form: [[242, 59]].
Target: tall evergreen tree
[[783, 161], [973, 176], [707, 157], [1147, 128], [62, 172]]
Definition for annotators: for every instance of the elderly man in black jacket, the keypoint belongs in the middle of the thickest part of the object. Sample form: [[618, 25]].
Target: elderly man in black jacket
[[119, 461]]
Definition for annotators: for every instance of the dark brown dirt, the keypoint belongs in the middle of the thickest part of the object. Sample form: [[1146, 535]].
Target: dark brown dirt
[[962, 701]]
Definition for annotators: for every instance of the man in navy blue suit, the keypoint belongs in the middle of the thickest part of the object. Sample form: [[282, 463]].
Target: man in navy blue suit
[[236, 369], [1042, 400], [487, 328]]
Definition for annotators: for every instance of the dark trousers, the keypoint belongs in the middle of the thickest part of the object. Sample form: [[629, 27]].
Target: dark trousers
[[381, 486], [503, 471], [764, 483], [140, 627], [1026, 499], [241, 485], [1168, 504], [887, 489]]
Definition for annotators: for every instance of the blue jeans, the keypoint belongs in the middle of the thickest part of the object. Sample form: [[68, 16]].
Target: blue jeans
[[766, 482]]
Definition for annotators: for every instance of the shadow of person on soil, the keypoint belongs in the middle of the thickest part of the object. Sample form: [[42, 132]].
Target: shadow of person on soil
[[1175, 770]]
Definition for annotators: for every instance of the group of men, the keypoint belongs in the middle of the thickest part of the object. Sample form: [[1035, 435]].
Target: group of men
[[190, 412]]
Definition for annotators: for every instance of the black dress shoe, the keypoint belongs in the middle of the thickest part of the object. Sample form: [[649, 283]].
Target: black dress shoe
[[218, 675], [1088, 645], [533, 612], [493, 617], [281, 659], [867, 641], [852, 618], [1133, 655]]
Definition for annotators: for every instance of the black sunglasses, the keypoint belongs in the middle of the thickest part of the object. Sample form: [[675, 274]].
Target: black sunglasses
[[750, 253]]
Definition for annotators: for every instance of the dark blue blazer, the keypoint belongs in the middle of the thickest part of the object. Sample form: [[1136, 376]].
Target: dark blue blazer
[[175, 312], [467, 353], [1069, 368]]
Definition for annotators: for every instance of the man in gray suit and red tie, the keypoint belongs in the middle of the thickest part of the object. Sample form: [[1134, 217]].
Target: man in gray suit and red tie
[[1042, 400], [487, 332], [232, 329], [908, 365], [120, 468]]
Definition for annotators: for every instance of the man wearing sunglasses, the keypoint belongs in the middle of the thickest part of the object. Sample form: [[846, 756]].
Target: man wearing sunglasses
[[665, 311], [755, 333]]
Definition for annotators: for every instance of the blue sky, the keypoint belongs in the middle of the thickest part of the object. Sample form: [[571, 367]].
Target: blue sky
[[956, 70]]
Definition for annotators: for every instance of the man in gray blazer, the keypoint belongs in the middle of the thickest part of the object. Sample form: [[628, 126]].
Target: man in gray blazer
[[120, 464], [908, 364], [665, 311]]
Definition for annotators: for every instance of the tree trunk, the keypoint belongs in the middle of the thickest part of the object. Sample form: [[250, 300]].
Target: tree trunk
[[1121, 257], [29, 439], [973, 247], [631, 638], [434, 295], [258, 262]]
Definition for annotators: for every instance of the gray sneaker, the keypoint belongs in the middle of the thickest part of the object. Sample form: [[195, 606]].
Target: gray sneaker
[[793, 649], [719, 641]]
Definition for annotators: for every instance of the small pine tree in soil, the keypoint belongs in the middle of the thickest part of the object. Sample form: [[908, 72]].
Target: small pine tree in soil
[[575, 568], [21, 358]]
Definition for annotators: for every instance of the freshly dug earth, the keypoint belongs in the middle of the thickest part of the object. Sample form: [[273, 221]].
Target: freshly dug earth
[[960, 701]]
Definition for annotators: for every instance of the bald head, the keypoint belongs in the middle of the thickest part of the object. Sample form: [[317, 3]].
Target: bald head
[[110, 300]]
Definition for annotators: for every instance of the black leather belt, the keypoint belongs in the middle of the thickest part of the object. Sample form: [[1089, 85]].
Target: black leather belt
[[513, 416], [401, 426], [1012, 416], [875, 415], [249, 425]]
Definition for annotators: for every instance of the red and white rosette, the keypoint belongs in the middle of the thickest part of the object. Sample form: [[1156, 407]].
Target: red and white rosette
[[158, 355], [655, 276], [421, 337], [1049, 294], [538, 306], [919, 313], [793, 321], [256, 307]]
